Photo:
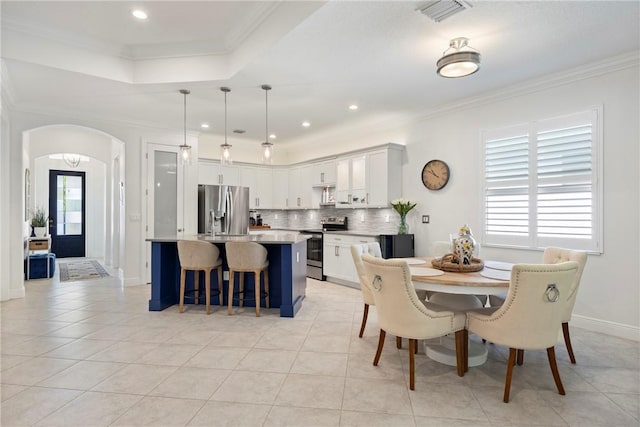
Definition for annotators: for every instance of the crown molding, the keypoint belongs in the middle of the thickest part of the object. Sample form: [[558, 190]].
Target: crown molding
[[572, 75]]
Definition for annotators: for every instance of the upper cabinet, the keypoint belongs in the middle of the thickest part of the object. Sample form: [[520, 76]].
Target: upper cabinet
[[212, 173], [300, 187], [259, 181], [369, 180], [366, 179], [280, 188], [324, 173]]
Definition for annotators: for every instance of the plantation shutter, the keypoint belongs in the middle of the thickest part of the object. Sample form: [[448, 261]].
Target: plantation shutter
[[506, 192], [541, 184], [566, 182]]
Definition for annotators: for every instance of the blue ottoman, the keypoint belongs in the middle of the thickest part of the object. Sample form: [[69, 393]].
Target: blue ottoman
[[38, 266]]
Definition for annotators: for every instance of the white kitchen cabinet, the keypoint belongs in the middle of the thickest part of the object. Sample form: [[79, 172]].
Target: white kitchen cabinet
[[212, 173], [280, 189], [300, 187], [337, 262], [324, 173], [369, 180], [351, 184], [259, 181]]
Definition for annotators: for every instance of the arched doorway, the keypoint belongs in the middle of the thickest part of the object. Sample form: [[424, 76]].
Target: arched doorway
[[104, 168]]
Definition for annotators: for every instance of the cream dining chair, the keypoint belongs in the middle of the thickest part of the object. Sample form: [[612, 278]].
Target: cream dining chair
[[356, 253], [374, 250], [402, 314], [553, 255], [531, 315]]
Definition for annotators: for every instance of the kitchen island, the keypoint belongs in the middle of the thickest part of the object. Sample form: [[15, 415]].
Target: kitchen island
[[287, 254]]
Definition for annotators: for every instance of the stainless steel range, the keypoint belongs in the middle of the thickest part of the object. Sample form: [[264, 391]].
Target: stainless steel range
[[315, 243]]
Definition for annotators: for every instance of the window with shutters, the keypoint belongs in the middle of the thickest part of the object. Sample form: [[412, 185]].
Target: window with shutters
[[542, 183]]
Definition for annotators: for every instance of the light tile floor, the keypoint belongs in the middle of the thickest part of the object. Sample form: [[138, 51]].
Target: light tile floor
[[89, 353]]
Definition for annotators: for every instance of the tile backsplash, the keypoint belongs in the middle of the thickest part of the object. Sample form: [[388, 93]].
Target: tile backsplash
[[364, 220]]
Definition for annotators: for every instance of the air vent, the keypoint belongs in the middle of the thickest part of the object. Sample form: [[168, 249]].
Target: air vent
[[439, 10], [239, 131]]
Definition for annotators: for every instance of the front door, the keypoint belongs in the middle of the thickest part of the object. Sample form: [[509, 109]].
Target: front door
[[66, 213]]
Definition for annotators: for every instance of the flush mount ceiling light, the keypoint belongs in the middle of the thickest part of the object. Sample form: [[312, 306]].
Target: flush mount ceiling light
[[459, 59], [225, 149], [306, 124], [204, 125], [267, 146], [353, 107], [185, 149]]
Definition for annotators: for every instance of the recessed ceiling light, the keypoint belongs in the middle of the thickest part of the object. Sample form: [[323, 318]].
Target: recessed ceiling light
[[306, 124], [239, 131], [353, 107], [140, 14], [272, 136], [204, 125]]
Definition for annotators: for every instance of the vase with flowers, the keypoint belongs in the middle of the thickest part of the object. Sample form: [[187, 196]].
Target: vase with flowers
[[402, 207]]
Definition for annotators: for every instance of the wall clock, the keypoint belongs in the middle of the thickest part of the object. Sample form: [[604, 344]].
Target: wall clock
[[435, 174]]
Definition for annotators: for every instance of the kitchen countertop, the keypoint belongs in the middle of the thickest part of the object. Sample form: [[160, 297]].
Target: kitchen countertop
[[354, 233], [271, 237]]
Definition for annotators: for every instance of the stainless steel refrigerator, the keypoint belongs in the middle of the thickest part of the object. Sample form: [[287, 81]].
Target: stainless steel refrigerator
[[223, 209]]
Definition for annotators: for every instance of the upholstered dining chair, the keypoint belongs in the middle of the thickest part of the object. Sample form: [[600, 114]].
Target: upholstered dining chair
[[531, 315], [196, 255], [402, 313], [553, 255], [356, 252]]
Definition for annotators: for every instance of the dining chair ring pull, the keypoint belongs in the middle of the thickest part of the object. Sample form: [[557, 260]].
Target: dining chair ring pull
[[552, 293], [376, 283]]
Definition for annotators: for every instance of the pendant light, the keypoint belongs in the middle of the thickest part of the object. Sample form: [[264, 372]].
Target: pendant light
[[459, 59], [185, 149], [73, 160], [225, 149], [267, 146]]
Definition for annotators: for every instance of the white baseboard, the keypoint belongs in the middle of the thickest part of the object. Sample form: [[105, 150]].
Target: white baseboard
[[17, 292], [133, 281], [606, 327], [343, 282]]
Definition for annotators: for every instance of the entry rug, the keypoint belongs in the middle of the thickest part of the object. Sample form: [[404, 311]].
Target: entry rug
[[81, 270]]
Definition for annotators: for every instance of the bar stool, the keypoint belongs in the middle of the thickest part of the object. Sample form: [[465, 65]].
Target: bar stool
[[247, 257], [199, 256]]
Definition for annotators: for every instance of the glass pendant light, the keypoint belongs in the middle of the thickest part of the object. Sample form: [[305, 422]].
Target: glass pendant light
[[267, 146], [185, 149], [225, 149]]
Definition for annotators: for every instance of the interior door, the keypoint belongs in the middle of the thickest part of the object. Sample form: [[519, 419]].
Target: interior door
[[165, 194], [67, 213]]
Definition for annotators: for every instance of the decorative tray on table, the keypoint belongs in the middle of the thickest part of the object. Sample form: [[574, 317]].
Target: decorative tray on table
[[449, 262]]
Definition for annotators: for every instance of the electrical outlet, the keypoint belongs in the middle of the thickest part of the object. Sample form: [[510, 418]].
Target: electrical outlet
[[362, 218], [295, 216], [225, 275], [425, 219], [275, 216], [386, 218]]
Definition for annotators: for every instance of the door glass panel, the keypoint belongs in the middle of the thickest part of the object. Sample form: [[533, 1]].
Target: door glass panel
[[69, 205], [165, 193]]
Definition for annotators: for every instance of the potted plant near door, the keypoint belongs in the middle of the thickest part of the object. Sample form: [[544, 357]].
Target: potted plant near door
[[39, 221]]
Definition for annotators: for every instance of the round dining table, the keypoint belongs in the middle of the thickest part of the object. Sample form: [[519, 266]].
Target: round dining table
[[460, 289]]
